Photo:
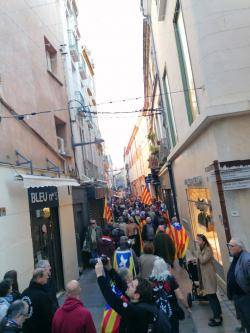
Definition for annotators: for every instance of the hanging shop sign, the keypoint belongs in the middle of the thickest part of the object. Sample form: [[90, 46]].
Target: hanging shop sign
[[40, 197]]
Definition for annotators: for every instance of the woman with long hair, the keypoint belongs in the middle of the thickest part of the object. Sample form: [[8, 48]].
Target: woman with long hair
[[209, 280]]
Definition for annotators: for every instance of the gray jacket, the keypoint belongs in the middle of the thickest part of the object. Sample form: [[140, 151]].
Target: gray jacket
[[4, 305], [242, 272]]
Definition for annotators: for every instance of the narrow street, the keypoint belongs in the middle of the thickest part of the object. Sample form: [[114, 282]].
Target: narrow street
[[196, 323], [125, 125]]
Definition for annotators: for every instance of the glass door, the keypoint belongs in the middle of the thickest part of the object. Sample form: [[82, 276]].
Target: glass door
[[46, 239]]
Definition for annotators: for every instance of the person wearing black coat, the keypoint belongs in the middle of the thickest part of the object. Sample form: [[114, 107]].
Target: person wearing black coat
[[135, 317], [41, 306], [49, 287]]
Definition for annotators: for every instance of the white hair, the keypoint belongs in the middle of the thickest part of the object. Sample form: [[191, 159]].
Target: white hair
[[238, 242], [160, 269], [42, 263]]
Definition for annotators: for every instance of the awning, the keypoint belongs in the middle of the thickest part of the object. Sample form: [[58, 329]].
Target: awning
[[41, 181]]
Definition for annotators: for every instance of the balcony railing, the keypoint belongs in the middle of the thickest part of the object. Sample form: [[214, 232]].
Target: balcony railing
[[79, 97]]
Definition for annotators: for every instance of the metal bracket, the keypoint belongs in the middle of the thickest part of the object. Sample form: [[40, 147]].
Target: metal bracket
[[26, 161], [53, 167]]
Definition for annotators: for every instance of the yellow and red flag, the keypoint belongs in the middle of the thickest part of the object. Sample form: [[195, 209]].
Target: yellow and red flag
[[111, 321], [146, 196], [180, 238], [107, 212]]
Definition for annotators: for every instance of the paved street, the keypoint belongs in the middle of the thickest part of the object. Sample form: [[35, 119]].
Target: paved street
[[94, 301]]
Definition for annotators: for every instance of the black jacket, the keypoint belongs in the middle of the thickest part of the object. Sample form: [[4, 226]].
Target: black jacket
[[7, 326], [133, 316], [42, 309], [50, 288]]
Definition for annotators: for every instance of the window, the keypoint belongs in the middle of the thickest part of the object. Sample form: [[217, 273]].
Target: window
[[61, 135], [185, 65], [169, 109], [51, 57], [202, 221]]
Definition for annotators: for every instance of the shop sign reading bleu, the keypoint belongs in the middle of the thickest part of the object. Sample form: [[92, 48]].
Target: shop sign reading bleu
[[40, 197]]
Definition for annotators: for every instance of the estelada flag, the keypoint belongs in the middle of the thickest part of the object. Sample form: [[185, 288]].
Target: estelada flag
[[180, 238], [124, 259], [146, 196], [107, 212], [111, 319]]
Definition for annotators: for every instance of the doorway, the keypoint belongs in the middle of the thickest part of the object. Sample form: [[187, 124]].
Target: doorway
[[46, 240]]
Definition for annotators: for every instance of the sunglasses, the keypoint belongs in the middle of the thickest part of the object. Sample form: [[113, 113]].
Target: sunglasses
[[230, 245]]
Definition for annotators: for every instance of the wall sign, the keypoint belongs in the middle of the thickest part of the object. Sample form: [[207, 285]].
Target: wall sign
[[40, 197], [193, 181]]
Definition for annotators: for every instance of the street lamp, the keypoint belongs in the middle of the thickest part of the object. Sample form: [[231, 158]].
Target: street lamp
[[88, 143]]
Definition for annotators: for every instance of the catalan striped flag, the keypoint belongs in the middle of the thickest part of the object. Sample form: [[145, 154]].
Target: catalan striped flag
[[146, 196], [180, 238], [107, 212], [111, 321]]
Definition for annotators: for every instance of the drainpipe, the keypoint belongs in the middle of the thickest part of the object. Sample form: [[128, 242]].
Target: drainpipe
[[172, 184], [222, 200]]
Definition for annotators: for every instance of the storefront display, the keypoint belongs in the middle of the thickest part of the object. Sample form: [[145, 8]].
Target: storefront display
[[45, 229], [202, 218]]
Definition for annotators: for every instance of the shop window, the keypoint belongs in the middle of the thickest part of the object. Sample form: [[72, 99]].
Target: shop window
[[185, 65], [202, 218]]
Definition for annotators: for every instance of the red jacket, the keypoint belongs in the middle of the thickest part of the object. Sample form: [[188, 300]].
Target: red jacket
[[72, 317]]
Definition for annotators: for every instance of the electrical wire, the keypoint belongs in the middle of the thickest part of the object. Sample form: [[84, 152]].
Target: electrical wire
[[102, 103]]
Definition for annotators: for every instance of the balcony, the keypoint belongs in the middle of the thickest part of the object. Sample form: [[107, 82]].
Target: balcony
[[73, 46], [79, 97], [163, 150], [82, 70]]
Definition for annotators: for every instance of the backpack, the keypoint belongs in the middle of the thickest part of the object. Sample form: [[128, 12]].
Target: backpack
[[162, 300], [159, 322]]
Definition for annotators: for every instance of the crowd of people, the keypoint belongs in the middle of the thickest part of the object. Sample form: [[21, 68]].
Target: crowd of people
[[134, 257]]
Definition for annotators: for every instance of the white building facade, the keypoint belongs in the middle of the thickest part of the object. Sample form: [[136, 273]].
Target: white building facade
[[201, 53]]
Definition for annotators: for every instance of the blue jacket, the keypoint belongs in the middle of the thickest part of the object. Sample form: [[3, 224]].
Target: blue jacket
[[242, 272]]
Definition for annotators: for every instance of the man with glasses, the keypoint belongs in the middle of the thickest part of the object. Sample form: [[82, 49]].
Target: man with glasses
[[93, 234], [238, 281]]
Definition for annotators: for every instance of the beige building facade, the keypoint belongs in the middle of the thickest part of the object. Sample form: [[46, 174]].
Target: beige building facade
[[201, 50], [136, 157], [36, 214]]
